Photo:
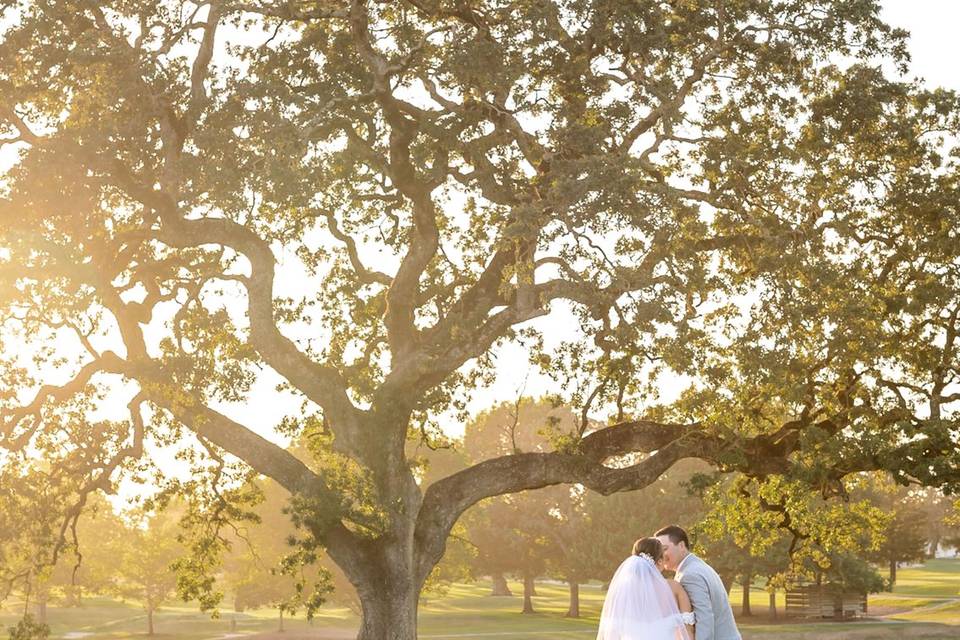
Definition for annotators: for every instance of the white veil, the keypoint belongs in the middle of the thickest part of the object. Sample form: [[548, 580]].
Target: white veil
[[640, 605]]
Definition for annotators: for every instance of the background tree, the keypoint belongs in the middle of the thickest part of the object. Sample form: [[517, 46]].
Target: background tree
[[28, 532], [534, 547], [252, 568], [936, 508], [783, 532], [144, 571], [571, 558], [851, 572], [905, 539], [97, 532], [952, 522], [622, 518], [496, 544], [363, 201], [906, 533], [29, 629], [514, 534], [100, 541]]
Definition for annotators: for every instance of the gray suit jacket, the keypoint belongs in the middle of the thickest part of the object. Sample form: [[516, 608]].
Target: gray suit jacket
[[711, 606]]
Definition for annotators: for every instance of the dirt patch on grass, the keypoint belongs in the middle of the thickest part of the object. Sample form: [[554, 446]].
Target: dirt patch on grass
[[877, 611]]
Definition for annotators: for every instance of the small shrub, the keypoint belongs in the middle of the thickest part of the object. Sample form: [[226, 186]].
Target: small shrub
[[27, 629]]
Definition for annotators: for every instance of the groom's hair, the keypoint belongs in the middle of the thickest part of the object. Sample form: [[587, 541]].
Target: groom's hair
[[675, 533]]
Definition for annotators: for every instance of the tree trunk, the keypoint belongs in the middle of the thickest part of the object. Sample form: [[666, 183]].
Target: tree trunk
[[391, 616], [574, 610], [727, 581], [934, 545], [745, 608], [389, 593], [71, 595], [388, 573], [42, 610], [500, 586], [893, 573], [528, 594], [149, 621], [281, 621], [773, 605]]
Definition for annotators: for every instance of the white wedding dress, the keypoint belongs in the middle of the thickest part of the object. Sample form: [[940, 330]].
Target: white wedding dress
[[640, 605]]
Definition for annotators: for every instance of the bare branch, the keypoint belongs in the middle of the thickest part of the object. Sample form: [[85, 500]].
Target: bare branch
[[48, 393], [26, 134], [365, 275], [672, 104], [201, 64]]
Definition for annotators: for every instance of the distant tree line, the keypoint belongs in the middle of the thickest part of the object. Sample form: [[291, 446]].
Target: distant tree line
[[767, 531]]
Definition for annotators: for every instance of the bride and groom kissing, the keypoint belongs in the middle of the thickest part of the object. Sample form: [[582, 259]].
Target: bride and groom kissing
[[643, 605]]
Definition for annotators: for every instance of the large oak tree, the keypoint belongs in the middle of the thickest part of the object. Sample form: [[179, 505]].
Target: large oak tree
[[365, 199]]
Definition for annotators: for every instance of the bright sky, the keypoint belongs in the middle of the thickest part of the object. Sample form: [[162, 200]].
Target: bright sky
[[935, 48], [934, 42]]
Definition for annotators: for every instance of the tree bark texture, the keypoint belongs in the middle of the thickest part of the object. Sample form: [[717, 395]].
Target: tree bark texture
[[500, 586], [574, 609], [745, 608], [528, 593]]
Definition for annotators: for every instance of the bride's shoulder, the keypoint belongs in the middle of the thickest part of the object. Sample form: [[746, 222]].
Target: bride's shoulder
[[683, 600]]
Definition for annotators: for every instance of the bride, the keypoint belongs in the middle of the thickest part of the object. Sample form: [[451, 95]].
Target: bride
[[643, 605]]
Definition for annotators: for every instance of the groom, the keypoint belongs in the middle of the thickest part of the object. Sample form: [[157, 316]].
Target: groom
[[711, 607]]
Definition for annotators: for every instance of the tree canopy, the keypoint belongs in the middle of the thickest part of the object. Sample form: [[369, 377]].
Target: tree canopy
[[362, 201]]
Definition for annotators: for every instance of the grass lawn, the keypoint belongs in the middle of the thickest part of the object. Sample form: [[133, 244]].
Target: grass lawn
[[106, 618], [937, 578], [926, 598], [929, 593]]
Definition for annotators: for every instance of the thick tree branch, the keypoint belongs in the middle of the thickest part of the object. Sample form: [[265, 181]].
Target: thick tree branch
[[262, 455], [322, 384], [402, 333], [447, 499], [201, 64]]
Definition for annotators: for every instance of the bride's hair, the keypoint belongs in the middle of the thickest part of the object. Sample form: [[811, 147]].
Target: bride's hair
[[650, 547]]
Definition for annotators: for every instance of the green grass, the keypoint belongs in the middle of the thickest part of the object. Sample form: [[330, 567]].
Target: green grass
[[939, 577], [929, 593], [923, 599], [888, 601], [106, 618], [469, 609]]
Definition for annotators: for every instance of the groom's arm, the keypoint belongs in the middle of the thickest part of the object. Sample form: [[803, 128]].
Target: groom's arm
[[696, 587]]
